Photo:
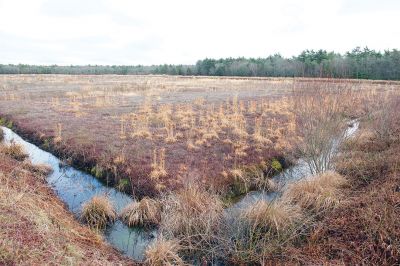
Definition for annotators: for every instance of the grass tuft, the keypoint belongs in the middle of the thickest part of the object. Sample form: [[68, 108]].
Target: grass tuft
[[192, 215], [319, 193], [40, 169], [163, 252], [273, 216], [262, 231], [145, 213], [15, 151], [98, 212]]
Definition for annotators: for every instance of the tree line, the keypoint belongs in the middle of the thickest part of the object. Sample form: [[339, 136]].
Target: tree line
[[360, 63]]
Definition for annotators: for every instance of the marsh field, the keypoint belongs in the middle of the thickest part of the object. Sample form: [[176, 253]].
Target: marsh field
[[188, 149]]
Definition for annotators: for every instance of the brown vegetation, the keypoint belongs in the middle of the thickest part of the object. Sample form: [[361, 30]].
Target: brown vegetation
[[192, 216], [164, 252], [145, 213], [273, 216], [317, 193], [98, 212], [261, 232], [293, 229], [14, 150], [40, 169]]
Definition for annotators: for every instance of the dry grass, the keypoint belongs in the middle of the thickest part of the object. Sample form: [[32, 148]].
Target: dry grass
[[145, 213], [254, 177], [163, 252], [261, 232], [368, 157], [37, 229], [192, 215], [98, 212], [15, 151], [274, 216], [317, 193], [40, 169]]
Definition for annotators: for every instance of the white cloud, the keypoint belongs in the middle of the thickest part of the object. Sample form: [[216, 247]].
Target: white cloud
[[179, 31]]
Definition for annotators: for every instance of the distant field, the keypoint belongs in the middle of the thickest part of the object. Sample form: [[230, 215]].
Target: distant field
[[147, 134]]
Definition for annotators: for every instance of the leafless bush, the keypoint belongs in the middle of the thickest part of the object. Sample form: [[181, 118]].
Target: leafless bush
[[321, 125]]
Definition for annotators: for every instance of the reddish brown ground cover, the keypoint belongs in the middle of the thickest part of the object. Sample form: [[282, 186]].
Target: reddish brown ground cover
[[148, 134]]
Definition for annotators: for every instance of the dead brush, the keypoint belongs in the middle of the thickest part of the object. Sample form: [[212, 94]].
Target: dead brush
[[145, 213], [1, 135], [98, 212], [192, 215], [15, 151], [163, 252], [319, 193]]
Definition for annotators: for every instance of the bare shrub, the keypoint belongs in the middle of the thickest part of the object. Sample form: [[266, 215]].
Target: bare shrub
[[321, 126]]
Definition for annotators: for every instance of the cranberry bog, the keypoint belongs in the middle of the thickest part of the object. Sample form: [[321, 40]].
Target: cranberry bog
[[149, 134]]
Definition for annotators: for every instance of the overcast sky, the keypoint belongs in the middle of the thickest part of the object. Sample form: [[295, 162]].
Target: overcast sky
[[183, 31]]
